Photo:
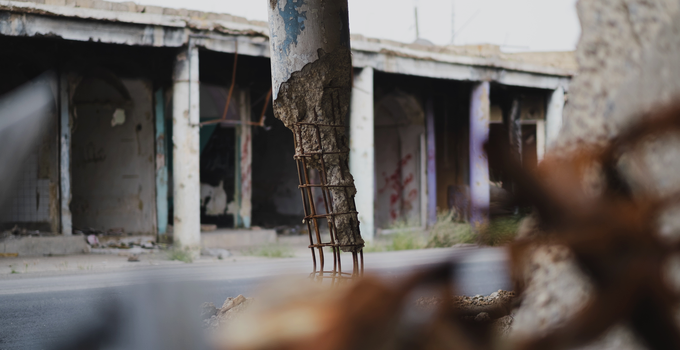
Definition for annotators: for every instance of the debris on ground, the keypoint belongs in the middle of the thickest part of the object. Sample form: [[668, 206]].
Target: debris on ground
[[216, 252], [214, 317], [208, 228], [495, 308]]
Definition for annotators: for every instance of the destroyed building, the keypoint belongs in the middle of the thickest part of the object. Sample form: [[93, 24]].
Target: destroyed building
[[141, 141]]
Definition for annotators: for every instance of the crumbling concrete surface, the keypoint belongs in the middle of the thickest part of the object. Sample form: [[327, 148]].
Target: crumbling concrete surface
[[319, 94], [214, 317], [628, 58]]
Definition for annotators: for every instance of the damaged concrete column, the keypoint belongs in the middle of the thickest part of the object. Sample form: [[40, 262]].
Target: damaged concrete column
[[244, 159], [362, 151], [185, 143], [553, 117], [311, 81], [479, 163], [65, 155]]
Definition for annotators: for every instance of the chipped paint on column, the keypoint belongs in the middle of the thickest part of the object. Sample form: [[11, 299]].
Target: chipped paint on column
[[431, 164], [65, 155], [479, 163], [361, 151], [245, 161], [309, 26], [553, 118], [161, 166], [185, 143]]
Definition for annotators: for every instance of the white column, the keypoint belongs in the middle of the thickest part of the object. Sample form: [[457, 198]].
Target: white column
[[65, 155], [186, 153], [245, 158], [553, 118], [362, 152], [479, 163], [540, 140]]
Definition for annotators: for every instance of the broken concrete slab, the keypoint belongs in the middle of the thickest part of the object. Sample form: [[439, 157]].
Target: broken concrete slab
[[41, 246]]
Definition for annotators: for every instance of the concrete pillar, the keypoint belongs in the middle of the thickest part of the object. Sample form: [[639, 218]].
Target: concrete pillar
[[362, 151], [553, 118], [185, 144], [161, 166], [244, 157], [431, 164], [479, 163], [540, 140], [65, 156]]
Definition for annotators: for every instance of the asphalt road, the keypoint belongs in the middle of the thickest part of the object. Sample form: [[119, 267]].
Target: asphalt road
[[48, 311]]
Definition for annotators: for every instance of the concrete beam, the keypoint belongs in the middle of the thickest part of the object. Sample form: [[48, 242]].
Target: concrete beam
[[161, 166], [553, 117], [17, 24], [65, 155], [479, 163], [168, 31], [185, 140], [455, 71], [361, 149]]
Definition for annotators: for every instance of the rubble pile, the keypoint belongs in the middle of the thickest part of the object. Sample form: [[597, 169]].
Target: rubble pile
[[22, 232], [214, 317], [496, 308]]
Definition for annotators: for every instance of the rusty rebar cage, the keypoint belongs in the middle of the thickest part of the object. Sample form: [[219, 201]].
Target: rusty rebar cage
[[313, 181]]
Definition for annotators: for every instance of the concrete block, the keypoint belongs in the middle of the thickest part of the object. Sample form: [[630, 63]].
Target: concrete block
[[227, 239], [40, 246]]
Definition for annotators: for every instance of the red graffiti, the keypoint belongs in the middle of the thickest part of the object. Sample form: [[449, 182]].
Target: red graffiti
[[396, 183]]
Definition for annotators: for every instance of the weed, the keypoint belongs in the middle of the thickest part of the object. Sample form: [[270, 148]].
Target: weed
[[11, 267], [273, 251], [62, 266], [85, 267], [500, 231], [180, 255], [447, 231], [26, 267], [406, 241]]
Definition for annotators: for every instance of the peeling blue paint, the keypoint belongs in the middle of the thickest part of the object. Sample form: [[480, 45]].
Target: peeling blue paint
[[294, 21]]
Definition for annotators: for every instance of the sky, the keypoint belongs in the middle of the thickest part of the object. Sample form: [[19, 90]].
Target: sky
[[516, 25]]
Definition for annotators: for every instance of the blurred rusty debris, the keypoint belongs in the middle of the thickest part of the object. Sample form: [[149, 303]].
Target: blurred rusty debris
[[612, 234], [584, 203]]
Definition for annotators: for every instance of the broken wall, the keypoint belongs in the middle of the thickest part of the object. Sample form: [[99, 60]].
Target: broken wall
[[399, 127], [452, 132], [218, 155], [32, 201], [113, 153]]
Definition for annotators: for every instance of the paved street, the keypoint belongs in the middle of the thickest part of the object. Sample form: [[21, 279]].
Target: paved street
[[38, 311]]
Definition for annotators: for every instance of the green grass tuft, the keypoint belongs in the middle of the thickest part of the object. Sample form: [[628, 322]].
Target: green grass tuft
[[180, 255], [500, 231], [446, 232], [272, 251]]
